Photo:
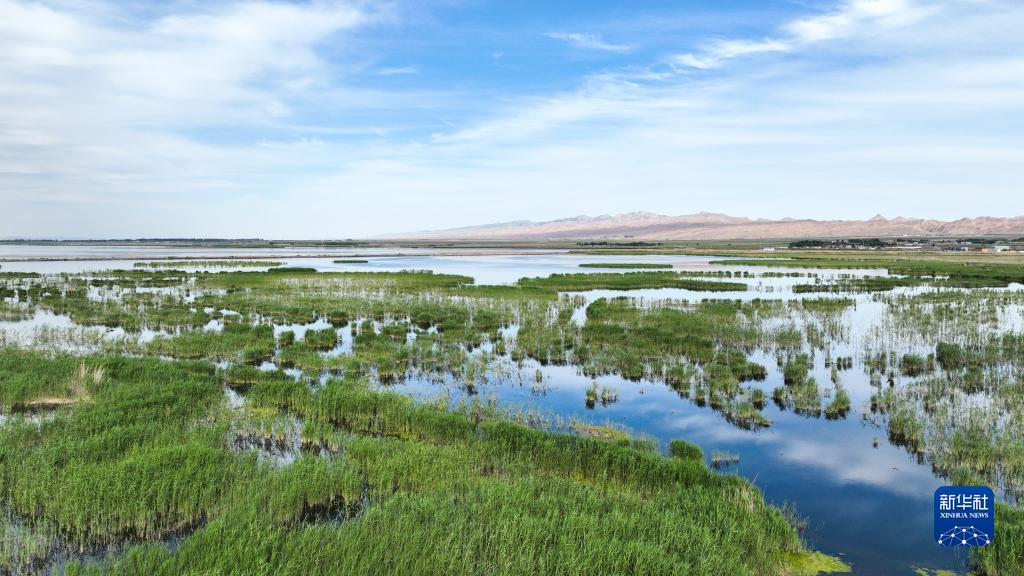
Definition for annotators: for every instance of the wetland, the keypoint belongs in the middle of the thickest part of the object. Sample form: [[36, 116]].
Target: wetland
[[539, 412]]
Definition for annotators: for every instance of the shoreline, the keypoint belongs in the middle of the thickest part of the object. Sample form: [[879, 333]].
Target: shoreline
[[282, 256]]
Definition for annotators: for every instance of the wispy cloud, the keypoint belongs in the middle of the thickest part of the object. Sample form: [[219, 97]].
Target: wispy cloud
[[218, 64], [857, 17], [398, 71], [716, 51], [849, 19], [587, 41]]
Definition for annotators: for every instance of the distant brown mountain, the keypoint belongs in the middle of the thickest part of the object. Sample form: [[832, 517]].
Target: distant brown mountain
[[710, 226]]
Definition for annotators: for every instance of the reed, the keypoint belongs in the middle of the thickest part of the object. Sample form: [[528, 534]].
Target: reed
[[627, 281], [146, 458], [238, 341], [948, 273], [325, 339], [239, 263]]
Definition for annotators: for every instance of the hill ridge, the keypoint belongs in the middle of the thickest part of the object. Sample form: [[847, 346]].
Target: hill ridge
[[642, 225]]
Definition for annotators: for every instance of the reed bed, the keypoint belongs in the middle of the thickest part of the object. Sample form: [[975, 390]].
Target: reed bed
[[237, 341], [960, 274], [144, 459], [239, 263], [627, 281]]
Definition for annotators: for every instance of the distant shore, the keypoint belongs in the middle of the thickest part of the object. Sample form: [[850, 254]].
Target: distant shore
[[264, 256]]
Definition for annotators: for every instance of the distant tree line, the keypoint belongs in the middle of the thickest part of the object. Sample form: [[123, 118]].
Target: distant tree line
[[844, 243], [616, 244]]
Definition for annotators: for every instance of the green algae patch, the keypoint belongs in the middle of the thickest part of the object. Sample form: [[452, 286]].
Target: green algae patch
[[927, 572], [807, 563]]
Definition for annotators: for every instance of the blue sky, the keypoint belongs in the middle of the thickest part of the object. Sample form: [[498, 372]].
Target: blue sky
[[335, 119]]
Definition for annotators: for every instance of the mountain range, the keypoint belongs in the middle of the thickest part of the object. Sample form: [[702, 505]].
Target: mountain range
[[711, 226]]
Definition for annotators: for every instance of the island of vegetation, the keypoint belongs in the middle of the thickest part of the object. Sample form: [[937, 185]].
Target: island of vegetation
[[239, 263]]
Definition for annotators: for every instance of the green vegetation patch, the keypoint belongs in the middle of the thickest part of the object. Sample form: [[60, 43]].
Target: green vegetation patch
[[814, 563], [954, 274], [240, 263], [1007, 555], [376, 484], [238, 341], [627, 281]]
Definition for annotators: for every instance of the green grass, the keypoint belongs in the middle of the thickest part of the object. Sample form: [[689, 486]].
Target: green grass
[[970, 274], [29, 378], [700, 352], [916, 365], [839, 407], [685, 450], [627, 281], [1006, 556], [869, 284], [244, 376], [407, 487], [123, 458], [238, 341], [325, 339], [128, 307], [817, 563], [240, 263]]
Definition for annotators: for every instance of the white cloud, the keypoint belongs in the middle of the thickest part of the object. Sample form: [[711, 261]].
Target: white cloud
[[97, 103], [850, 19], [715, 52], [587, 41], [857, 17], [230, 55], [888, 468], [398, 71]]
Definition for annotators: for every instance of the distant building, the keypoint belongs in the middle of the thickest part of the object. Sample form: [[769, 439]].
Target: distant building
[[1000, 248]]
